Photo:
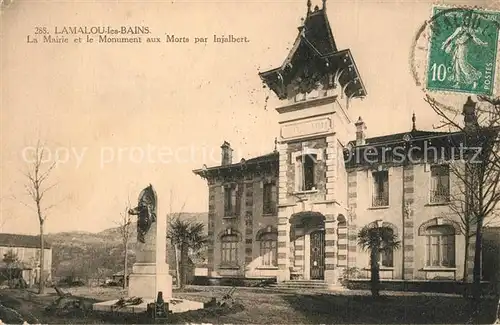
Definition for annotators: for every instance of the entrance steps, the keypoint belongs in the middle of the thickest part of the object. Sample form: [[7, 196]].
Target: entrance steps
[[302, 284]]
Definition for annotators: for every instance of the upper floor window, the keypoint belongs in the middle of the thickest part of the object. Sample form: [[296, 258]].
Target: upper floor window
[[231, 200], [440, 246], [380, 196], [306, 178], [270, 198], [440, 184]]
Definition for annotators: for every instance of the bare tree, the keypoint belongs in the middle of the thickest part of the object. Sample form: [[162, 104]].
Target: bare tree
[[37, 174], [125, 230], [462, 202], [477, 170], [5, 216]]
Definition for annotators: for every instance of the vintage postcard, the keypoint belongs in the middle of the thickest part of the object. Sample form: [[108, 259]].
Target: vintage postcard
[[250, 162]]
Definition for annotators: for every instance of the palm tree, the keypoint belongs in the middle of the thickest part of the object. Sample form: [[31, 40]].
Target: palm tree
[[185, 235], [376, 240]]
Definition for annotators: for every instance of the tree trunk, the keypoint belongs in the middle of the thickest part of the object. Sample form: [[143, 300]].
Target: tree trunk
[[476, 273], [182, 267], [466, 257], [374, 273], [41, 284], [498, 310], [466, 266], [125, 266], [177, 265]]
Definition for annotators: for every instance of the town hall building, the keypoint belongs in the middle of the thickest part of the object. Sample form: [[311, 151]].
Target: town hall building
[[294, 214]]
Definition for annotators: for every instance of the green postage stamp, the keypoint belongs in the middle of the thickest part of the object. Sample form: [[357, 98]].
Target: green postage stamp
[[463, 51]]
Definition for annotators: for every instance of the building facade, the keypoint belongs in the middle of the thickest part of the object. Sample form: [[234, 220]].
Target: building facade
[[296, 212], [27, 250]]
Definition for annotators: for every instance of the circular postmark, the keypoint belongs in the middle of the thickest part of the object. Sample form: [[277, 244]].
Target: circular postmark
[[455, 54]]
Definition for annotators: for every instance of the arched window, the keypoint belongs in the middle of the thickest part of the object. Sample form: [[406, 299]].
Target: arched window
[[269, 249], [229, 249], [440, 246]]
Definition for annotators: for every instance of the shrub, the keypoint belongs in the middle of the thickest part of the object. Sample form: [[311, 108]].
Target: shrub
[[349, 273]]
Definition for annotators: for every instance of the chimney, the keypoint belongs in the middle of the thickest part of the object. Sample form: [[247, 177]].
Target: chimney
[[227, 154], [469, 113], [360, 132]]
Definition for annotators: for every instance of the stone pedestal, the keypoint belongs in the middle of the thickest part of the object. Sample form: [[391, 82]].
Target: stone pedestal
[[150, 271]]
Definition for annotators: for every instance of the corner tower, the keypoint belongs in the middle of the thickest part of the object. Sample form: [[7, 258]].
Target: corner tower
[[316, 84]]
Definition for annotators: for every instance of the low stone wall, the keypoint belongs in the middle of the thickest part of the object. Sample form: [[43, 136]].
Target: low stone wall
[[450, 287], [228, 281]]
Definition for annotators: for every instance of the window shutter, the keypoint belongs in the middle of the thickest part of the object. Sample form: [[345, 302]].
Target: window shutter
[[239, 195], [386, 183], [233, 200], [274, 192], [314, 172], [298, 175], [226, 199], [434, 182], [274, 196]]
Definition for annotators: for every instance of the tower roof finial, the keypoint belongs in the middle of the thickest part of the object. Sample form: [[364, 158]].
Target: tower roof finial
[[324, 4], [309, 4], [413, 120]]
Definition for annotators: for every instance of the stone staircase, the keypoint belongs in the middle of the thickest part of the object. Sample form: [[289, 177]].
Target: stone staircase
[[302, 284]]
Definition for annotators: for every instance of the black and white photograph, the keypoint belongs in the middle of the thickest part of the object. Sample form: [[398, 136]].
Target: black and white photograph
[[250, 162]]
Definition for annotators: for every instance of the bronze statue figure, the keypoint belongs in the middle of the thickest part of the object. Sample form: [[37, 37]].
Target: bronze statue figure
[[146, 212]]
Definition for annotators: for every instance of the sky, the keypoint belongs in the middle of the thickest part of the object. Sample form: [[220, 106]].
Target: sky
[[116, 117]]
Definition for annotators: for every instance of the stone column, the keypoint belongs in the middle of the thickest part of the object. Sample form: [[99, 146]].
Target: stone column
[[283, 216], [211, 228], [150, 271], [331, 275], [331, 169], [332, 166], [248, 211], [283, 245], [409, 227], [341, 246], [352, 231]]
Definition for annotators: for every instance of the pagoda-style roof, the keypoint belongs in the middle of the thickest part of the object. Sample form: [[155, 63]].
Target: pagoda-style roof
[[313, 57]]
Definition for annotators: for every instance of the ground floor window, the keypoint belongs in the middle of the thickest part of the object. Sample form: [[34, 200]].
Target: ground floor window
[[440, 246], [269, 249], [387, 256], [229, 249]]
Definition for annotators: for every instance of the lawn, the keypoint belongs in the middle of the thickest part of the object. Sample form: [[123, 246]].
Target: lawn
[[271, 306]]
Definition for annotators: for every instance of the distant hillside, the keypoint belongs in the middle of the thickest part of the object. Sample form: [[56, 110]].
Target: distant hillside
[[94, 255]]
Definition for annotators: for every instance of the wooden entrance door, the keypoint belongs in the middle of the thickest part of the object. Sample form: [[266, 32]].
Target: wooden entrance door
[[317, 255]]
